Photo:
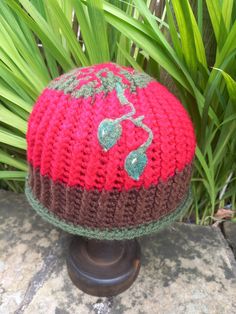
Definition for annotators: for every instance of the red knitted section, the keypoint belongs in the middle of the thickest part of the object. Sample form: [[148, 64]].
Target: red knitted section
[[63, 143]]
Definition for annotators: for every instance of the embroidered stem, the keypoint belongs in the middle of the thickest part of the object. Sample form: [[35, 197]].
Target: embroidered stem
[[124, 101], [109, 132], [138, 122]]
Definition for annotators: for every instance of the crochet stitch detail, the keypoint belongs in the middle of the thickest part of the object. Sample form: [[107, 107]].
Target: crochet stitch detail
[[62, 135], [108, 209], [141, 176], [85, 82], [108, 234]]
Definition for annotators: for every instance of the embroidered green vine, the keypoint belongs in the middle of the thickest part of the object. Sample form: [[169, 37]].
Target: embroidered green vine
[[83, 82], [109, 132]]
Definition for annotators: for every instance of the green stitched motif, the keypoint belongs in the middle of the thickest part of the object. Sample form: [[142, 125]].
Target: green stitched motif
[[63, 81], [135, 163], [85, 84], [109, 131], [138, 79], [79, 83], [107, 234]]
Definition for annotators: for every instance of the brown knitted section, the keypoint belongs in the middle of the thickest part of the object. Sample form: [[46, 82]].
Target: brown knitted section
[[110, 209]]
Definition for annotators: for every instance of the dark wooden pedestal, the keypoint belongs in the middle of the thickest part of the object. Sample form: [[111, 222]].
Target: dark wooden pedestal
[[103, 268]]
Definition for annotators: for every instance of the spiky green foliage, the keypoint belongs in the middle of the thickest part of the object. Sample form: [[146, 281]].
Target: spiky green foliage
[[40, 39]]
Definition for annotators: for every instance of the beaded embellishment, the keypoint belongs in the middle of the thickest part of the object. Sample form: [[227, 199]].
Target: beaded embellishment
[[109, 132]]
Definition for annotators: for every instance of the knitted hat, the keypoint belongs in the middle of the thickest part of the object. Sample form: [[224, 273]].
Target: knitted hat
[[110, 153]]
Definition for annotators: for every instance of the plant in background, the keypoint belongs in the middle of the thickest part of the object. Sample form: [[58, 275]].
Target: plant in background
[[41, 39], [208, 94]]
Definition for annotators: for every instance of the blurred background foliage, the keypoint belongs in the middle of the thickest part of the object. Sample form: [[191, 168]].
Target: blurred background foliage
[[187, 45]]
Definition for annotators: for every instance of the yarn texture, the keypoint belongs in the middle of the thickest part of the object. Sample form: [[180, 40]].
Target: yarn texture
[[110, 153]]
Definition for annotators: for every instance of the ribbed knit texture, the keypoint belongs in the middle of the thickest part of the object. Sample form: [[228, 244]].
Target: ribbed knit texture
[[64, 149], [108, 233]]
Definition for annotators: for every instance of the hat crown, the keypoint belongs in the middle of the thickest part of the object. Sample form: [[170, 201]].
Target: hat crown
[[108, 147]]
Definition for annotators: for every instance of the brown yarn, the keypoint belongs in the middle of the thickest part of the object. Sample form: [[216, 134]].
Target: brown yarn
[[110, 209]]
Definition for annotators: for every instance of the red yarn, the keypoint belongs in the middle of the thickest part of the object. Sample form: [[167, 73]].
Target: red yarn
[[62, 135]]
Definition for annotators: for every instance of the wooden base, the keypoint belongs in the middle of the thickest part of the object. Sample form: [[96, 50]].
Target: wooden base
[[103, 268]]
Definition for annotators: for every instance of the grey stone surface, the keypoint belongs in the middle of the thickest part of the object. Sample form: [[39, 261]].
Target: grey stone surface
[[229, 229], [185, 269]]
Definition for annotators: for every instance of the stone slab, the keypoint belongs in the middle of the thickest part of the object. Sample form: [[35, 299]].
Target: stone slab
[[26, 246], [229, 229], [185, 269]]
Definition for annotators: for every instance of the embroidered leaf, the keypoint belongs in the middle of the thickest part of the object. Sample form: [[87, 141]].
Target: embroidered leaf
[[135, 163], [109, 132]]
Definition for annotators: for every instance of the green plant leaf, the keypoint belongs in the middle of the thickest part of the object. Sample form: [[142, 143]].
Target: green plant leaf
[[85, 27], [12, 119], [227, 8], [183, 18], [35, 21], [173, 32], [13, 161], [13, 175], [18, 85], [42, 39], [208, 174], [11, 139], [130, 60], [200, 50], [11, 96], [231, 85], [214, 11], [98, 27], [62, 22], [155, 51]]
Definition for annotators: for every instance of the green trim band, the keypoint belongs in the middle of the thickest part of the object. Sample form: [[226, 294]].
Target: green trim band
[[107, 234]]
